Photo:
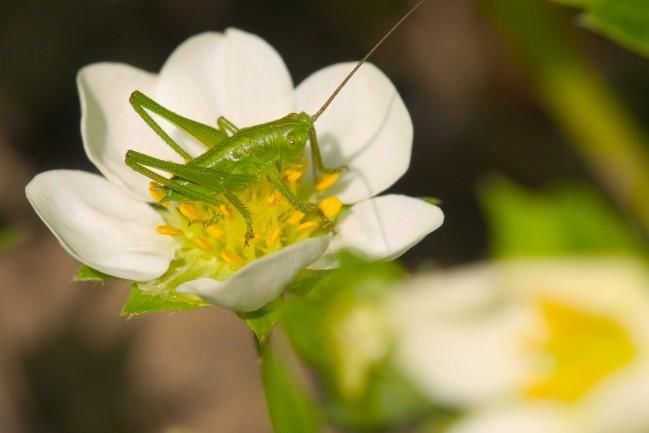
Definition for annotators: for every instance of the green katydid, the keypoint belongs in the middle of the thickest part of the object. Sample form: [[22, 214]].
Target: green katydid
[[236, 158]]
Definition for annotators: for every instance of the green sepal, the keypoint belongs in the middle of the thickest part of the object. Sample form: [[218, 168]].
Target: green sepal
[[262, 321], [86, 273], [143, 302]]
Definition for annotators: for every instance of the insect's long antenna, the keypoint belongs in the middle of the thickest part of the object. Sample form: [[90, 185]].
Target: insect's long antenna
[[359, 64]]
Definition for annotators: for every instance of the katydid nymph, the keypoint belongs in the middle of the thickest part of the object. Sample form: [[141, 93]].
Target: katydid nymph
[[237, 158]]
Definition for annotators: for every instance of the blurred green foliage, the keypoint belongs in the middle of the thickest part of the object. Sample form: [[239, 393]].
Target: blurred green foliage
[[624, 21], [340, 328], [567, 220]]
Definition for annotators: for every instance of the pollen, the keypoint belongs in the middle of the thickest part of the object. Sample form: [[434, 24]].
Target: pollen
[[272, 238], [156, 191], [203, 244], [330, 206], [168, 230], [225, 211], [190, 211], [273, 199], [327, 180], [296, 217], [231, 258], [293, 174], [307, 226], [214, 231]]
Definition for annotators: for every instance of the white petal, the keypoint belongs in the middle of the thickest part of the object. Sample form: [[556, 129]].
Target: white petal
[[386, 227], [620, 403], [367, 128], [110, 126], [444, 322], [540, 418], [261, 281], [100, 225], [236, 74]]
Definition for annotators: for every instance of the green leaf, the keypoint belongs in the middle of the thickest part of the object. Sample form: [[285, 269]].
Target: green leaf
[[86, 273], [262, 321], [291, 409], [143, 302], [624, 21], [570, 220]]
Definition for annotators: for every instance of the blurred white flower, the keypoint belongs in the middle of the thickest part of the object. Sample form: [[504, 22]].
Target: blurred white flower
[[531, 346], [108, 224]]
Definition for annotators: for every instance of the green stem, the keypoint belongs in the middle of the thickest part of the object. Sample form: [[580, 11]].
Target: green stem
[[578, 99], [291, 410]]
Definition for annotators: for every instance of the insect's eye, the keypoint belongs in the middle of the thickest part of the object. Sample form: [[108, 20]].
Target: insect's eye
[[291, 142]]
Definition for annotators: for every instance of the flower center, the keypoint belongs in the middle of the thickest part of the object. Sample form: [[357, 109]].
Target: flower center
[[212, 238], [576, 351]]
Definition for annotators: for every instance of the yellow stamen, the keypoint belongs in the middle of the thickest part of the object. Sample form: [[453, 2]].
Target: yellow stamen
[[225, 211], [168, 230], [330, 206], [296, 217], [202, 244], [273, 199], [231, 258], [156, 191], [273, 237], [293, 174], [214, 231], [190, 211], [327, 180], [307, 226]]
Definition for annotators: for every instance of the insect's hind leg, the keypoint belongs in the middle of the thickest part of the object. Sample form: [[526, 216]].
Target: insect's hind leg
[[200, 189], [139, 163], [226, 126], [205, 134]]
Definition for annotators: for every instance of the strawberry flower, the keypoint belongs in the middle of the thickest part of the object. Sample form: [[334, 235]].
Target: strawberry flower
[[533, 345], [110, 224]]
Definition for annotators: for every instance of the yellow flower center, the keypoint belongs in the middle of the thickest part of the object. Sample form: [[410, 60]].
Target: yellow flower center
[[576, 351], [212, 238]]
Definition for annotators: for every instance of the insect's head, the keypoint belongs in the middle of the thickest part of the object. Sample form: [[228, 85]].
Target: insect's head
[[296, 128]]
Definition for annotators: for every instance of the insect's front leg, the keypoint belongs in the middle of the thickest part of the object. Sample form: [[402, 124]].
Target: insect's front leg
[[317, 157], [307, 208]]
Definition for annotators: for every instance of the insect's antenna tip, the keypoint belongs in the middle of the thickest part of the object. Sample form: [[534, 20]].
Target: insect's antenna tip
[[363, 60]]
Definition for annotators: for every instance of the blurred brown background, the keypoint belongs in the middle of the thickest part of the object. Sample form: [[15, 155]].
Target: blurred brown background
[[68, 363]]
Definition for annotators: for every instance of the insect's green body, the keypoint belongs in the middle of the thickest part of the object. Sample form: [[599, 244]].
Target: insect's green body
[[236, 159]]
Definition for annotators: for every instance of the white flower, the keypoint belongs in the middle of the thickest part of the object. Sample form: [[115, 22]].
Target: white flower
[[108, 224], [543, 346]]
